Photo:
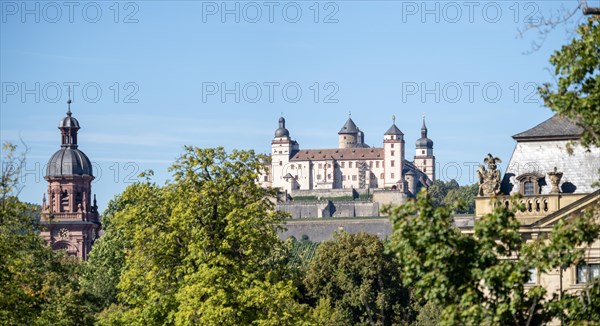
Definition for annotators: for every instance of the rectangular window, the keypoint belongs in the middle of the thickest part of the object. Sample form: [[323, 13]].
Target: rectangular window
[[329, 165], [354, 177], [299, 167], [320, 166], [280, 163], [392, 163], [292, 167], [266, 178], [392, 146], [381, 176], [532, 276], [529, 188], [342, 164], [349, 164], [377, 164], [329, 176], [423, 151], [587, 272], [371, 164], [392, 153], [392, 176], [318, 177]]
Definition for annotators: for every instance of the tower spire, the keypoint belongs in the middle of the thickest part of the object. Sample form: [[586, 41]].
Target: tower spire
[[68, 127], [69, 103], [424, 128]]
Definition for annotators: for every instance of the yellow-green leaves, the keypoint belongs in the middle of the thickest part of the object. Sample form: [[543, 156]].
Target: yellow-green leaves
[[199, 249]]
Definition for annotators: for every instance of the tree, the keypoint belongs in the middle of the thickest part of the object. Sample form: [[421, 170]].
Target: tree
[[464, 195], [439, 189], [428, 315], [37, 285], [102, 271], [480, 279], [356, 282], [577, 92], [203, 248], [450, 192]]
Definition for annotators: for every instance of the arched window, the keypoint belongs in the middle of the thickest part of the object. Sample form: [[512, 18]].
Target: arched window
[[529, 184]]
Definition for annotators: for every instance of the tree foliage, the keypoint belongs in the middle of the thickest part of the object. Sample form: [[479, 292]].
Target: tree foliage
[[356, 282], [480, 279], [102, 271], [450, 192], [37, 285], [577, 71], [203, 249]]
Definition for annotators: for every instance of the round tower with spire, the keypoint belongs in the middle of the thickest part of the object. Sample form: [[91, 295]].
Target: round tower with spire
[[424, 158], [69, 215], [348, 135]]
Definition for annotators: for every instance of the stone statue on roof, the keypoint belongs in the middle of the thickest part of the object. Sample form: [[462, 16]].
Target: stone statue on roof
[[489, 180]]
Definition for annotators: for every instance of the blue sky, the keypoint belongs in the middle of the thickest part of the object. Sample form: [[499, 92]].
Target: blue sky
[[169, 73]]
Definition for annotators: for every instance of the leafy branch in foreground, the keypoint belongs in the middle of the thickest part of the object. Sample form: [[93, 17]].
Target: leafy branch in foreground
[[480, 278]]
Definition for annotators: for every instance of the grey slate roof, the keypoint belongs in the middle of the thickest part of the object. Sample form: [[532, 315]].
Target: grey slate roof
[[338, 154], [540, 156], [68, 122], [424, 143], [68, 161], [557, 127], [349, 128], [393, 131], [282, 131]]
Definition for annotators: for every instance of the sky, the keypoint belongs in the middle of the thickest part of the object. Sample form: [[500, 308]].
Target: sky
[[148, 77]]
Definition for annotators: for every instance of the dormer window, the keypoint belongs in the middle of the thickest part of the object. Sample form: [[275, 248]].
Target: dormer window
[[529, 184], [528, 188]]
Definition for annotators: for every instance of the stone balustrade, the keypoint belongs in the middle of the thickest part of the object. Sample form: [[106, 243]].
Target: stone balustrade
[[535, 206]]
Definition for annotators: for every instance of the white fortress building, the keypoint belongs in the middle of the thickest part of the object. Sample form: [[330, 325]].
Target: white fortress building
[[353, 165]]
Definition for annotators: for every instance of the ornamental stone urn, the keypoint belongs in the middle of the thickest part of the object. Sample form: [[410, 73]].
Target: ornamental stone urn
[[555, 177]]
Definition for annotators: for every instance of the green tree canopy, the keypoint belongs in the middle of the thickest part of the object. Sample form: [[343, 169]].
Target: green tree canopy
[[450, 192], [357, 282], [38, 286], [203, 249], [480, 279], [577, 71]]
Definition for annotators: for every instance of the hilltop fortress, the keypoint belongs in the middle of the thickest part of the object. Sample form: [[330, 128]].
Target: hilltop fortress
[[351, 180]]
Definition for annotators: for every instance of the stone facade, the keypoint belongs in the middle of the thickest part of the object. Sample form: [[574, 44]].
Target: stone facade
[[322, 230], [554, 175], [354, 165]]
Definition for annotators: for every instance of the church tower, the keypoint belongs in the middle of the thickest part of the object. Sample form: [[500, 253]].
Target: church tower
[[424, 159], [70, 216]]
